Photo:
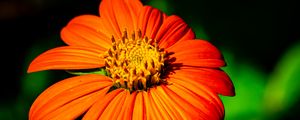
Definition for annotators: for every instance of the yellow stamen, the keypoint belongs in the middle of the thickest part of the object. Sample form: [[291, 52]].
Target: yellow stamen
[[134, 63]]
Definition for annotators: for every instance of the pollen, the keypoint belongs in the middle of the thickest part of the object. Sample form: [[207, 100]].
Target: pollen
[[135, 62]]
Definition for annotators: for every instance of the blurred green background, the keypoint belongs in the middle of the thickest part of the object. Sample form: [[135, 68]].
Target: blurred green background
[[260, 41]]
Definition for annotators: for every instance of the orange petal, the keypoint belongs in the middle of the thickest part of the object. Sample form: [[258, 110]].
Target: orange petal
[[173, 29], [121, 14], [114, 108], [150, 20], [174, 110], [166, 113], [129, 110], [98, 108], [88, 31], [66, 91], [93, 22], [127, 107], [68, 57], [187, 109], [151, 110], [216, 79], [76, 107], [203, 98], [139, 108], [196, 53]]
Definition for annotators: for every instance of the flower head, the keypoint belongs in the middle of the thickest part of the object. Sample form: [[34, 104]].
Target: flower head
[[155, 67]]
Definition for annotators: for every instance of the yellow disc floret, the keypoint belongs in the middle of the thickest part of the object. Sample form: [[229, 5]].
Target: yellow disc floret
[[134, 63]]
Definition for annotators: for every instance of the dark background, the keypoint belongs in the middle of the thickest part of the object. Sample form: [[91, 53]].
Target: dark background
[[258, 31]]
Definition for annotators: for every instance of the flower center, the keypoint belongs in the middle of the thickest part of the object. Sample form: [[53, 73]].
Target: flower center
[[134, 63]]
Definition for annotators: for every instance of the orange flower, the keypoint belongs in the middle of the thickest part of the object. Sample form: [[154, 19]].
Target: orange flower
[[155, 68]]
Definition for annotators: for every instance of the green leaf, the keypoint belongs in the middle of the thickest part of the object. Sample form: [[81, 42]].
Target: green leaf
[[100, 71], [283, 88]]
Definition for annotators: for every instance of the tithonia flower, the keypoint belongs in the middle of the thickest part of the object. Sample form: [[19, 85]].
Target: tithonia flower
[[155, 67]]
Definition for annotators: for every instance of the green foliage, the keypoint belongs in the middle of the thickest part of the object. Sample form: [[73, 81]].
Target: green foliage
[[32, 84], [259, 95], [282, 91], [162, 5], [249, 86]]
